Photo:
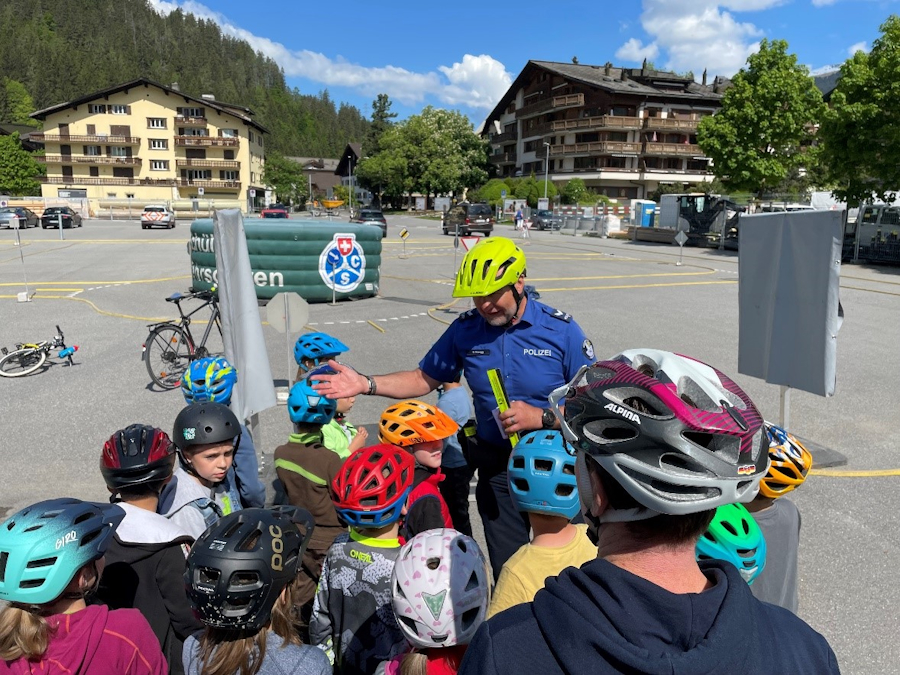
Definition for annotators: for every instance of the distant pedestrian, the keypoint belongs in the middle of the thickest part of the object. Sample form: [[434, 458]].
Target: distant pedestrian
[[519, 218]]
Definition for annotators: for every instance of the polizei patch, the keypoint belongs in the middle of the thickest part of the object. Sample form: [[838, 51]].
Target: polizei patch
[[624, 412]]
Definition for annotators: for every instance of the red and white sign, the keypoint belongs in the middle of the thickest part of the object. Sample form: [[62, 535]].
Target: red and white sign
[[469, 242], [345, 245]]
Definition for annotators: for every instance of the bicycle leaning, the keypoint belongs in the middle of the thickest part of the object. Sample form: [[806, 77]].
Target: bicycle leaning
[[170, 347], [27, 357]]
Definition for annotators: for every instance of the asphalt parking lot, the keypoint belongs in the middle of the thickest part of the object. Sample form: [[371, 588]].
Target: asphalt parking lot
[[107, 280]]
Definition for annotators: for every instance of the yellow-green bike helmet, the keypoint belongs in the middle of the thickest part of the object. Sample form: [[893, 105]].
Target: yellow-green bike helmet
[[494, 263]]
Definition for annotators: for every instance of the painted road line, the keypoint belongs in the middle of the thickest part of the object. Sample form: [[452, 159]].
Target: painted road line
[[605, 288], [375, 326], [838, 473]]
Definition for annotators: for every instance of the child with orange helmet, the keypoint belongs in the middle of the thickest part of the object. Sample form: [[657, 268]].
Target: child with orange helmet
[[779, 519], [420, 429], [352, 619]]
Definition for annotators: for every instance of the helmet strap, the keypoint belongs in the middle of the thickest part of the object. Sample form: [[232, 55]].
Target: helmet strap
[[519, 297]]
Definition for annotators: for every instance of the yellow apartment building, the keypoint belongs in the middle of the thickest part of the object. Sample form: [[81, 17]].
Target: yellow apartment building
[[150, 143]]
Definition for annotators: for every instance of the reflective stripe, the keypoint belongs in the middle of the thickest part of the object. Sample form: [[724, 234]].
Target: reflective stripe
[[359, 537], [296, 468]]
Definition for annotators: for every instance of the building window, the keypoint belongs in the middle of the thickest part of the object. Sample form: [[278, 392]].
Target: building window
[[91, 129], [94, 170], [159, 165], [189, 131], [228, 175], [93, 150], [111, 195], [96, 109], [156, 122], [591, 137], [530, 146], [252, 177], [191, 112], [116, 151], [129, 195], [229, 133], [197, 174], [118, 109], [229, 154], [159, 143]]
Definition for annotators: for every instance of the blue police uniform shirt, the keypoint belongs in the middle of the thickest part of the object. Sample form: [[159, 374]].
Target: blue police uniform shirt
[[541, 352]]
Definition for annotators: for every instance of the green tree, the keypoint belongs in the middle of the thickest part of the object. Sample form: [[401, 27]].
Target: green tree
[[381, 120], [491, 192], [860, 134], [286, 177], [15, 103], [575, 192], [18, 169], [766, 126]]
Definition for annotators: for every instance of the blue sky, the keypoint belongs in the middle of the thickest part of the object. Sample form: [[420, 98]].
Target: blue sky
[[463, 55]]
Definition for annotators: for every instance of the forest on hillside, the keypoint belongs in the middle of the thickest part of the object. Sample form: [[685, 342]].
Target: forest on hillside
[[62, 49]]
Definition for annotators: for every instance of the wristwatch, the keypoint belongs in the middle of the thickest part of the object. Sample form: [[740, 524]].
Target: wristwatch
[[548, 419]]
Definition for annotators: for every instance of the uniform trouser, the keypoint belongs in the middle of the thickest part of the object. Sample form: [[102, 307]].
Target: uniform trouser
[[455, 490], [506, 530]]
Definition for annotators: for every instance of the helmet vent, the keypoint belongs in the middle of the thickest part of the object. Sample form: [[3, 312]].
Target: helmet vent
[[544, 465], [679, 462], [520, 484], [469, 616], [4, 557], [639, 401], [694, 395], [568, 469], [89, 537], [433, 563], [81, 517], [727, 447], [728, 526], [249, 542], [604, 432], [472, 583], [519, 462], [41, 562], [243, 579], [208, 576], [461, 544], [564, 490], [409, 623]]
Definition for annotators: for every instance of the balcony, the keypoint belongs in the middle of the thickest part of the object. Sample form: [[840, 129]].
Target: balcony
[[89, 159], [207, 141], [208, 163], [671, 124], [93, 180], [503, 158], [200, 182], [673, 150], [94, 139], [599, 122], [555, 103], [596, 148], [190, 121], [505, 137]]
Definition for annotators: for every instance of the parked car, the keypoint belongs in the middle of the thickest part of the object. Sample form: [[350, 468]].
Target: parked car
[[274, 211], [372, 217], [26, 217], [469, 218], [69, 217], [546, 220], [157, 214]]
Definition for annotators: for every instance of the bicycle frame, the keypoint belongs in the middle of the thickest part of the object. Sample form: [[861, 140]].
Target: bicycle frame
[[185, 320]]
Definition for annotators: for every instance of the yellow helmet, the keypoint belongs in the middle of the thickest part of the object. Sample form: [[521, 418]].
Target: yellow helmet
[[494, 263], [411, 422]]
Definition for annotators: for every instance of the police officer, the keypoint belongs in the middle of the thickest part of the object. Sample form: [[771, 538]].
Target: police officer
[[537, 349]]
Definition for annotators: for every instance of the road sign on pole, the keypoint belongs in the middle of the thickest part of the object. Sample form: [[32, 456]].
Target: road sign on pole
[[404, 233], [680, 239], [200, 191], [469, 242], [287, 313]]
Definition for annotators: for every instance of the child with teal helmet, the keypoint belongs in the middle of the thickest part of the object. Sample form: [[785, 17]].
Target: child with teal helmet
[[212, 380], [733, 536], [541, 475]]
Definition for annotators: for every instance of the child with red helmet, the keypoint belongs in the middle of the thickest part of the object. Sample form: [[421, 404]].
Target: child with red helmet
[[420, 429], [145, 559], [352, 619]]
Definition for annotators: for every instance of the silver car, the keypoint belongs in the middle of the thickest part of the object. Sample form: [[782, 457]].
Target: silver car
[[18, 216], [546, 220]]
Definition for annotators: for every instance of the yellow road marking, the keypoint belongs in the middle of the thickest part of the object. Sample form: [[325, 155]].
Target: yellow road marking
[[54, 290], [375, 325], [838, 473], [97, 283], [603, 288]]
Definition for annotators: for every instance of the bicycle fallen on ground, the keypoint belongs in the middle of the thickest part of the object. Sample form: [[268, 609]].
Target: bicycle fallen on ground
[[170, 347], [28, 357]]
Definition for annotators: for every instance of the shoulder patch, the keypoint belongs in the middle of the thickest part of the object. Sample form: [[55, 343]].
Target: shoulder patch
[[558, 314], [468, 314]]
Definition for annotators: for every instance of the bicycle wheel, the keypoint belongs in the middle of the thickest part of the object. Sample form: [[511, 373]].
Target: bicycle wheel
[[167, 354], [22, 362]]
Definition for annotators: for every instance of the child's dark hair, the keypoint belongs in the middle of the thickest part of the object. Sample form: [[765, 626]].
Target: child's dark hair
[[142, 491]]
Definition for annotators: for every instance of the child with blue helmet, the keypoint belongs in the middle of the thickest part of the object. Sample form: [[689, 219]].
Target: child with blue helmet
[[542, 484], [313, 350], [212, 380], [305, 469], [352, 616], [733, 536]]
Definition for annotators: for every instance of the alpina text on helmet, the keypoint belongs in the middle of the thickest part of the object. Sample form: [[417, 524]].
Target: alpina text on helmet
[[619, 410]]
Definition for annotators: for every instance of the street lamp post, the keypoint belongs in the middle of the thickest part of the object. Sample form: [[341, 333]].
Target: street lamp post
[[546, 168], [350, 178]]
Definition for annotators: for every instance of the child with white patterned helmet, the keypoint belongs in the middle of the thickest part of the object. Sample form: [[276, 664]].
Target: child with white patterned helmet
[[440, 593]]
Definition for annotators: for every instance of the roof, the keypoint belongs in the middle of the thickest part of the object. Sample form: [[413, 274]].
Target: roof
[[353, 150], [316, 163], [238, 111], [827, 82], [637, 82]]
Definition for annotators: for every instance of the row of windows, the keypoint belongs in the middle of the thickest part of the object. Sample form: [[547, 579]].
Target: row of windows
[[103, 109], [160, 165]]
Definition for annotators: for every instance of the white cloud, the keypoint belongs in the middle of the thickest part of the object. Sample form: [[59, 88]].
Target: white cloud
[[858, 47], [633, 50], [701, 34], [475, 82], [823, 3], [821, 70]]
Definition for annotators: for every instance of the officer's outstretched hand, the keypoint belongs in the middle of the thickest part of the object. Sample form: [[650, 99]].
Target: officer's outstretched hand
[[344, 383], [521, 417]]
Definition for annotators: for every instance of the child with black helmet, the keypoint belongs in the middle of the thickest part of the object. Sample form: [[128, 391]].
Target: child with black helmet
[[52, 556], [202, 491], [145, 559], [241, 578]]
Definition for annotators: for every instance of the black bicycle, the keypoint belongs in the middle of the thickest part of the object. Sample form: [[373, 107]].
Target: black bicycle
[[170, 347]]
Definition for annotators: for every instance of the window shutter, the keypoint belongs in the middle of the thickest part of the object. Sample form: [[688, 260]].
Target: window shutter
[[84, 150], [127, 109], [108, 151], [92, 129]]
